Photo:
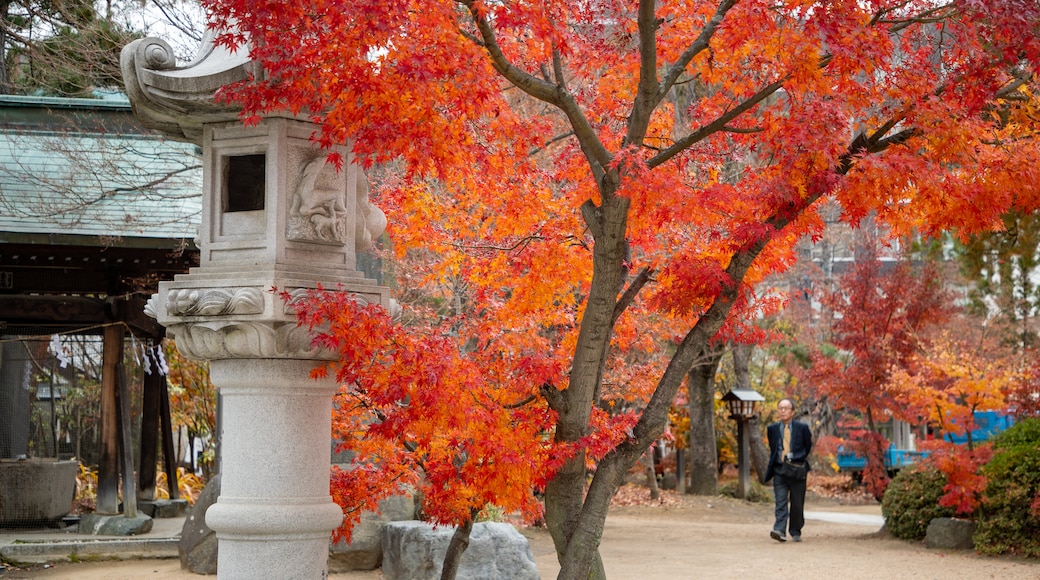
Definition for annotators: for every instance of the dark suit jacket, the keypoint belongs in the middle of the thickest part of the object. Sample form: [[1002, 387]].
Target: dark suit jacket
[[801, 444]]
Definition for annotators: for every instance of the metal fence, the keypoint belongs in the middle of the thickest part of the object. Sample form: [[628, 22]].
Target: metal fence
[[50, 401]]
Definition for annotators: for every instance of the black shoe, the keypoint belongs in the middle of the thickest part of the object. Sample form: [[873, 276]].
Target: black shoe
[[778, 536], [796, 538]]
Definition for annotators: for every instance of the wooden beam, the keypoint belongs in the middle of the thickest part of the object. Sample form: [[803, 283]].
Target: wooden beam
[[66, 310]]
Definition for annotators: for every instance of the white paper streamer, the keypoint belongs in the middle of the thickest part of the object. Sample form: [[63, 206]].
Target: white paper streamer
[[59, 350]]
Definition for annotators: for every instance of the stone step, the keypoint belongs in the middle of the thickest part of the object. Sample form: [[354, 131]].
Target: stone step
[[38, 552]]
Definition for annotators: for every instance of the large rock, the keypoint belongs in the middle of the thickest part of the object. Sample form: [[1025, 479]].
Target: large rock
[[163, 508], [198, 545], [415, 551], [114, 525], [365, 549], [950, 534]]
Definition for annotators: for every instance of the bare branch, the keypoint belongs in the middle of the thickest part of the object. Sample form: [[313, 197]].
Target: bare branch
[[559, 137], [742, 130], [521, 243]]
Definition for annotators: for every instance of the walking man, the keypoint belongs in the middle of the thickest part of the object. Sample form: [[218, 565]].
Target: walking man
[[790, 443]]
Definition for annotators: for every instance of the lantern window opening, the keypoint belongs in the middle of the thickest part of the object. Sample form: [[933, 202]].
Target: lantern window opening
[[245, 182]]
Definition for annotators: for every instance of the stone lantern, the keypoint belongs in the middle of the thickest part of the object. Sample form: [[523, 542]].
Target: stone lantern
[[742, 405], [275, 215]]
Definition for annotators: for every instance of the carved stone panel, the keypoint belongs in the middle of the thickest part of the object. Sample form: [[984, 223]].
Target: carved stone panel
[[322, 205], [214, 301], [240, 339], [318, 212]]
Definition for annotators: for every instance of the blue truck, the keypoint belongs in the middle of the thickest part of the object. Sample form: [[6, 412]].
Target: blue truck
[[987, 424]]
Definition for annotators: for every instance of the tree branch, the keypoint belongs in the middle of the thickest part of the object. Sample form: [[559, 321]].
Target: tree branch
[[522, 402], [715, 126], [594, 150], [646, 96], [699, 44], [522, 242], [629, 296]]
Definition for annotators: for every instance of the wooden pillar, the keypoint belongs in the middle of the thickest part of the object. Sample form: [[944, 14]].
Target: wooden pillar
[[108, 462], [126, 446], [150, 410], [743, 460], [166, 426]]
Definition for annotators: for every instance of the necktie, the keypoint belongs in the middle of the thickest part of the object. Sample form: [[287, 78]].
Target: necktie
[[787, 439]]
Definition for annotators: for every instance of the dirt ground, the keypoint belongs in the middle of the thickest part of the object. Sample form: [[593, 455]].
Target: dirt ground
[[690, 537]]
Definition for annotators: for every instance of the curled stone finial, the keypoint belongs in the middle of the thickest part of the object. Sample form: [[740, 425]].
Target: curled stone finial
[[177, 100], [151, 308], [156, 54]]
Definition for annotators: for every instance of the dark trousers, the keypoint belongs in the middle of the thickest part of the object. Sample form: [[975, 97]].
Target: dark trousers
[[790, 504]]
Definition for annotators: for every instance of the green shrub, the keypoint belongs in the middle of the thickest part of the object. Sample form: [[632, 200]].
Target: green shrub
[[912, 501], [1007, 522]]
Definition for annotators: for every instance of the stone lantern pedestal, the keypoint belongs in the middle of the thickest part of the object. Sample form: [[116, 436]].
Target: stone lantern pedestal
[[277, 218], [274, 514]]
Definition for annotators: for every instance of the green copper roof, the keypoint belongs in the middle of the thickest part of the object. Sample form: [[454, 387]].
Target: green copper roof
[[84, 167]]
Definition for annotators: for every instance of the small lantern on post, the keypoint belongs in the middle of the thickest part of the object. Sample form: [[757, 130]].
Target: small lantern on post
[[741, 404]]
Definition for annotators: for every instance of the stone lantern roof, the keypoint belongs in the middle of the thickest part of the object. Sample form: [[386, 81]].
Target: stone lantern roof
[[178, 100]]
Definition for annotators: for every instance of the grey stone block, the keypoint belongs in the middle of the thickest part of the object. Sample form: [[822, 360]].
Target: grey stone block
[[950, 534], [415, 551], [27, 554], [365, 549], [198, 545]]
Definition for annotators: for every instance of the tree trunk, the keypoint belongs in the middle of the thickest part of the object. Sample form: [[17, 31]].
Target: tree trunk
[[680, 470], [759, 449], [651, 474], [457, 546], [704, 454], [5, 79], [565, 493], [741, 358], [588, 529]]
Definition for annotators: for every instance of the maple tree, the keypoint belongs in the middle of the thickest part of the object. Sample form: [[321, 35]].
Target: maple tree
[[951, 380], [882, 313], [542, 165], [963, 370]]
